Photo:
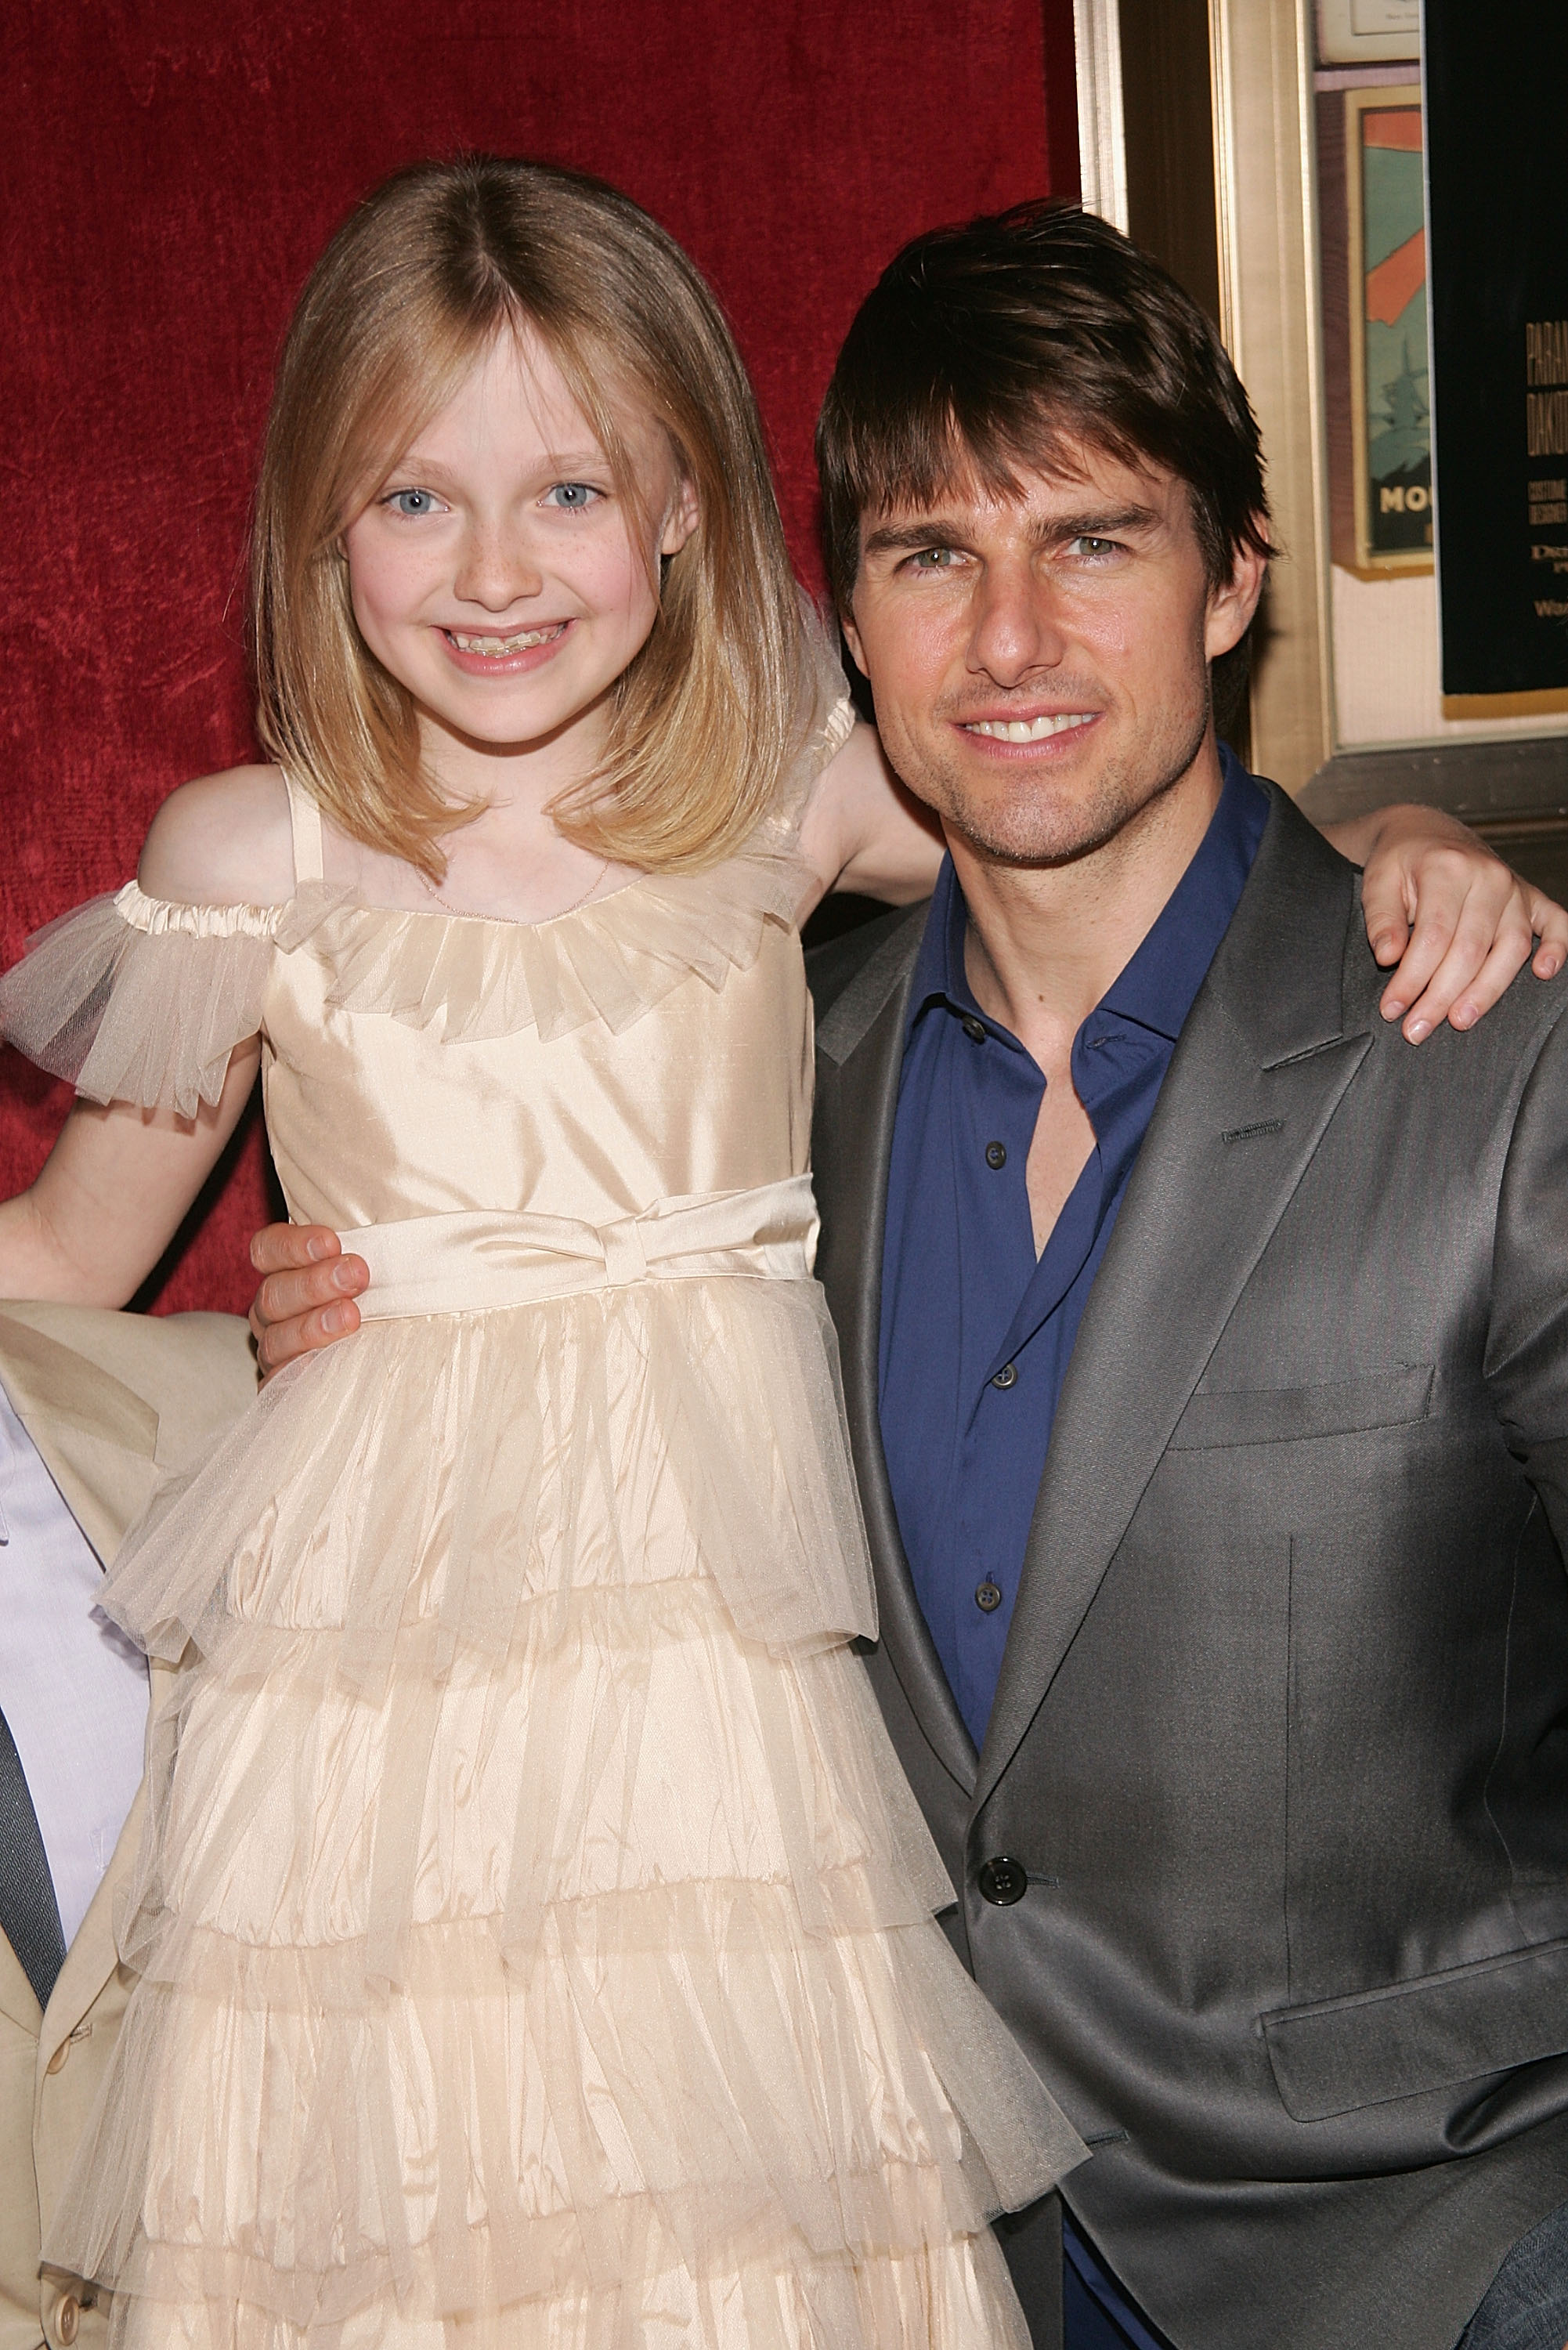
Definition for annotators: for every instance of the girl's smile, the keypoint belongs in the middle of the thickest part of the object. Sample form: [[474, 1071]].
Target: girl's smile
[[511, 656]]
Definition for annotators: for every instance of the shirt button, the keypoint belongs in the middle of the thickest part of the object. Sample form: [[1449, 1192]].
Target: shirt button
[[996, 1154], [987, 1597], [974, 1029], [1007, 1377]]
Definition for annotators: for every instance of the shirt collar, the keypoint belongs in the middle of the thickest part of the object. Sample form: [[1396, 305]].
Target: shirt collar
[[1157, 986]]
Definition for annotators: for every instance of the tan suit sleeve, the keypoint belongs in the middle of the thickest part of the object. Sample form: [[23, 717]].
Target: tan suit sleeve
[[111, 1400]]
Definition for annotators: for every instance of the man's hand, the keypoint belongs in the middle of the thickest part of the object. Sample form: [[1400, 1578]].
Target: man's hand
[[306, 1299], [1454, 918]]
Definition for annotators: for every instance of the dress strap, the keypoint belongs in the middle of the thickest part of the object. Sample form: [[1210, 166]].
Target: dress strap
[[305, 824]]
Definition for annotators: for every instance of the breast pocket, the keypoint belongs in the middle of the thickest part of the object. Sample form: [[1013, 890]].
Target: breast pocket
[[1392, 1398]]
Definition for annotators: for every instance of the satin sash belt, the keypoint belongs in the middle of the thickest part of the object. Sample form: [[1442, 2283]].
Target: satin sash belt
[[481, 1260]]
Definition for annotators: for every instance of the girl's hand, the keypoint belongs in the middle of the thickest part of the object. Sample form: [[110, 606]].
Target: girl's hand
[[1457, 921]]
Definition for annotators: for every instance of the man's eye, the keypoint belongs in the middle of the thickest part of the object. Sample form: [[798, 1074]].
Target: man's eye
[[1090, 546], [571, 497], [934, 558]]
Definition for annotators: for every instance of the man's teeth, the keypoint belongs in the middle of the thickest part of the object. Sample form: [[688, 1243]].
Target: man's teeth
[[519, 644], [1029, 730]]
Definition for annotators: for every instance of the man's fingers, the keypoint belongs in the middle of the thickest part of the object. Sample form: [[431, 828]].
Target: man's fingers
[[279, 1248], [283, 1296], [278, 1342], [307, 1301]]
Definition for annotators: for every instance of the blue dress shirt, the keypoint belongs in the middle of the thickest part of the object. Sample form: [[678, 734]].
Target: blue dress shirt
[[977, 1332]]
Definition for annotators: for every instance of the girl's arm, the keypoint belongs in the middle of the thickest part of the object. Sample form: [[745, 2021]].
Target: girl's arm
[[111, 1194], [113, 1190], [1454, 918]]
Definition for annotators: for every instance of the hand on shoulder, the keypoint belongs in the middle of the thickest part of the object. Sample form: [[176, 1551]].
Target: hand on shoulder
[[222, 841]]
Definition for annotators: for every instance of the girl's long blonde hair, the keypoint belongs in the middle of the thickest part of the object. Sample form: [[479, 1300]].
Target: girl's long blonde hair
[[413, 288]]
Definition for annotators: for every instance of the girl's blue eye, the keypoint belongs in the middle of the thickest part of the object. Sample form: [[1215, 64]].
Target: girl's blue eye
[[570, 497], [412, 501]]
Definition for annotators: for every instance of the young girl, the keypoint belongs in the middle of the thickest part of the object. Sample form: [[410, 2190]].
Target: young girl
[[533, 1933]]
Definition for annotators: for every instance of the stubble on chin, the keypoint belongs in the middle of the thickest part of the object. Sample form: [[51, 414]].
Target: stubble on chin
[[1033, 819]]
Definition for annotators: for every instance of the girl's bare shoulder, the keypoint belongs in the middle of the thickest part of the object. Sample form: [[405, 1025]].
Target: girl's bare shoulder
[[222, 841]]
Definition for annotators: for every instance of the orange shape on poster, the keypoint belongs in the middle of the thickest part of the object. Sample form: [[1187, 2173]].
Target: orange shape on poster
[[1390, 285], [1394, 126]]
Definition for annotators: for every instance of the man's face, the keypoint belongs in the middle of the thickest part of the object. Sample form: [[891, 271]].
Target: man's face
[[1040, 663]]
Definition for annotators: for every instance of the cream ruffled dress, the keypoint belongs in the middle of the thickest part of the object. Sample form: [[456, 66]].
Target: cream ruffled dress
[[533, 1929]]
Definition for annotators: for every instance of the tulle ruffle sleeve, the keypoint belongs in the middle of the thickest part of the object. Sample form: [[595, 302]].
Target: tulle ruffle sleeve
[[141, 1000]]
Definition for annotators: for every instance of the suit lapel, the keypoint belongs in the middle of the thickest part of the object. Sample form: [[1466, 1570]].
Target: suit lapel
[[1259, 1068], [860, 1055]]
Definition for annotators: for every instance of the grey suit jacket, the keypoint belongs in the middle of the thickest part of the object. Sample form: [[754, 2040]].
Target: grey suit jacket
[[1281, 1734]]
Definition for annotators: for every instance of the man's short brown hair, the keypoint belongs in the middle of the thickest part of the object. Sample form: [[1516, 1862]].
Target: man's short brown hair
[[994, 349]]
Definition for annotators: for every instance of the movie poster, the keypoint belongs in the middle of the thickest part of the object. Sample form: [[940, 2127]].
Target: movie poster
[[1391, 440], [1497, 149]]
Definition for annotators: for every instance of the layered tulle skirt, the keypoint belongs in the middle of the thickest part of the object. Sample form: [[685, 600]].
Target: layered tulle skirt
[[533, 1929]]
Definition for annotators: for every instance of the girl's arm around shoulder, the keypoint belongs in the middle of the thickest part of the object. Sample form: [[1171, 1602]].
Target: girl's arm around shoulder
[[862, 831], [111, 1194]]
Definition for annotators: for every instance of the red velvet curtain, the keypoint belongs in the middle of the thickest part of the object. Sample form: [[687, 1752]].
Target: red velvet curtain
[[170, 169]]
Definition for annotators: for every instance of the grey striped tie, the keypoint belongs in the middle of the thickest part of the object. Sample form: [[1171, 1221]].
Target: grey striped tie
[[29, 1913]]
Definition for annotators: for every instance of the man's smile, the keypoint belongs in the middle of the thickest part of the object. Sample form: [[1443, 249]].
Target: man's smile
[[1029, 730]]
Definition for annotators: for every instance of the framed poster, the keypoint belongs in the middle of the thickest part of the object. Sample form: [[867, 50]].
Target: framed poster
[[1391, 433]]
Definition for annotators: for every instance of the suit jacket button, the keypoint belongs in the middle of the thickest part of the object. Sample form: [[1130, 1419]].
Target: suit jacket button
[[67, 2319], [1007, 1377], [987, 1596], [1002, 1881]]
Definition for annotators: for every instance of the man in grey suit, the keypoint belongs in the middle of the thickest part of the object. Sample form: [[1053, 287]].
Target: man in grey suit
[[1259, 1804], [1206, 1358]]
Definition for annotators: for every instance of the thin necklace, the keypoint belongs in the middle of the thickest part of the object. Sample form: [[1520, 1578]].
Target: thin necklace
[[463, 913]]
